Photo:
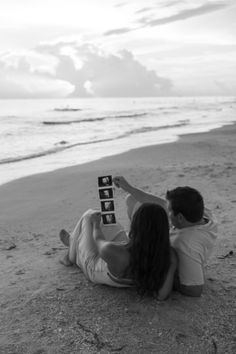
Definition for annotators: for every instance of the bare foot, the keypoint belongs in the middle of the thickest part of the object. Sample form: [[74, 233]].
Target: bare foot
[[65, 261], [65, 237]]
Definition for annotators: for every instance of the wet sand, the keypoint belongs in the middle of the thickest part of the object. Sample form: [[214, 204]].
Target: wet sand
[[48, 308]]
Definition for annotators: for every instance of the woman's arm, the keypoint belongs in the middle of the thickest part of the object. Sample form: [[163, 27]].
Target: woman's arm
[[98, 235], [138, 194], [107, 250], [167, 287]]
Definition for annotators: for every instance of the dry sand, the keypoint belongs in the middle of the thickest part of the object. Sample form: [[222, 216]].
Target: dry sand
[[48, 308]]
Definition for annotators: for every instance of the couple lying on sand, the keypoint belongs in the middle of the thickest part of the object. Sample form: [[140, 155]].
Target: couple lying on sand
[[147, 258]]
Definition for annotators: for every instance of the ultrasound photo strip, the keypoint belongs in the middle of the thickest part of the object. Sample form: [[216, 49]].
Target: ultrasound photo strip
[[104, 181], [105, 193], [108, 219], [107, 205]]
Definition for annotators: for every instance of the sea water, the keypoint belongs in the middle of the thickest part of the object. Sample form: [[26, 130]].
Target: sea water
[[46, 134]]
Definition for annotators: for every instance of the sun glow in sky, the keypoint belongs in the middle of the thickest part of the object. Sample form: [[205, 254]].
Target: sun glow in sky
[[75, 48]]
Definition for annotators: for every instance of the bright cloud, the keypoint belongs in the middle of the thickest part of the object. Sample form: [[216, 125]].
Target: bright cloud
[[60, 48], [22, 82], [105, 74], [79, 70]]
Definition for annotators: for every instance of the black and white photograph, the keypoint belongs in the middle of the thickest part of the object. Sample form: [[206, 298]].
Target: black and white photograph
[[117, 176], [106, 193], [108, 219], [107, 205], [104, 181]]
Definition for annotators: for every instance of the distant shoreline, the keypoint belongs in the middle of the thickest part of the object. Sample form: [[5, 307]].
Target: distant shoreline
[[37, 139]]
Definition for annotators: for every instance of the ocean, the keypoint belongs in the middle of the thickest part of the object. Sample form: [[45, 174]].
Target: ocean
[[41, 135]]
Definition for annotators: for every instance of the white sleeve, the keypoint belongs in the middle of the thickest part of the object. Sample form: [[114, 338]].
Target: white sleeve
[[190, 271]]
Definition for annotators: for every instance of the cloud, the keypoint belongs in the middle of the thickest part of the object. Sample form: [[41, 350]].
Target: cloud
[[104, 74], [122, 4], [118, 31], [144, 9], [22, 82], [171, 3], [182, 14], [220, 84], [77, 69]]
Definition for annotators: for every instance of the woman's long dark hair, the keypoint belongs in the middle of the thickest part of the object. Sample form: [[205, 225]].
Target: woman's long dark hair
[[149, 248]]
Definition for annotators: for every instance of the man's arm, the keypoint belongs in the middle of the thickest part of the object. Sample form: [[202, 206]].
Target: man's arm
[[138, 194], [188, 271], [188, 290]]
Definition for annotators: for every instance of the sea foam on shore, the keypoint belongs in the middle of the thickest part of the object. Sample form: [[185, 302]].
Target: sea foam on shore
[[43, 135]]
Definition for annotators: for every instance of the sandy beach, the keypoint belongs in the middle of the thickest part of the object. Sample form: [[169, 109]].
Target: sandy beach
[[48, 308]]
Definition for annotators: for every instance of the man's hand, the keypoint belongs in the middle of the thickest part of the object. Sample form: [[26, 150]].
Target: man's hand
[[121, 182]]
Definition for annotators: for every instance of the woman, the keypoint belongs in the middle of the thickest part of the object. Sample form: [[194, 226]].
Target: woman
[[106, 255]]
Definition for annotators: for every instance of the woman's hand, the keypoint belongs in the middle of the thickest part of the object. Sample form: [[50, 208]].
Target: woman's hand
[[166, 288], [173, 258], [96, 218], [121, 182]]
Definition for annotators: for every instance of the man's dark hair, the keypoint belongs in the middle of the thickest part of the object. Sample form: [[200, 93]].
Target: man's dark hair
[[187, 201]]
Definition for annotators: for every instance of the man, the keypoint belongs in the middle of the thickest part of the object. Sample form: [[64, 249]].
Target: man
[[195, 230]]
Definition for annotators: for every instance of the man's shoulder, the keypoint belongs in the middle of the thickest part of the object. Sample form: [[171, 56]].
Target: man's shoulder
[[195, 241], [189, 240], [181, 244], [186, 234]]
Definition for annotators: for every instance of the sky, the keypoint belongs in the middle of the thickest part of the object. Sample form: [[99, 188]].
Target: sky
[[117, 48]]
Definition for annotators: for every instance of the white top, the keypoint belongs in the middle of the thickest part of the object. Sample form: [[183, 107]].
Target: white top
[[194, 245]]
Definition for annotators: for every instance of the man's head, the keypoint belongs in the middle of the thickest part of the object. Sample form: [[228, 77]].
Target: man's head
[[185, 206]]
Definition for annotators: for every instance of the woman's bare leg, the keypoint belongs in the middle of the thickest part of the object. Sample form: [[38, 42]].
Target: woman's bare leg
[[81, 241], [86, 242], [81, 238]]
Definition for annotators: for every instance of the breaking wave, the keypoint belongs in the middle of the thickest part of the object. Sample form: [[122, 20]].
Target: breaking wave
[[86, 120], [64, 145]]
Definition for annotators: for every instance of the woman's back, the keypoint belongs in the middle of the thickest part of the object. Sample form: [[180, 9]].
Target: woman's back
[[144, 260], [117, 257], [147, 257]]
